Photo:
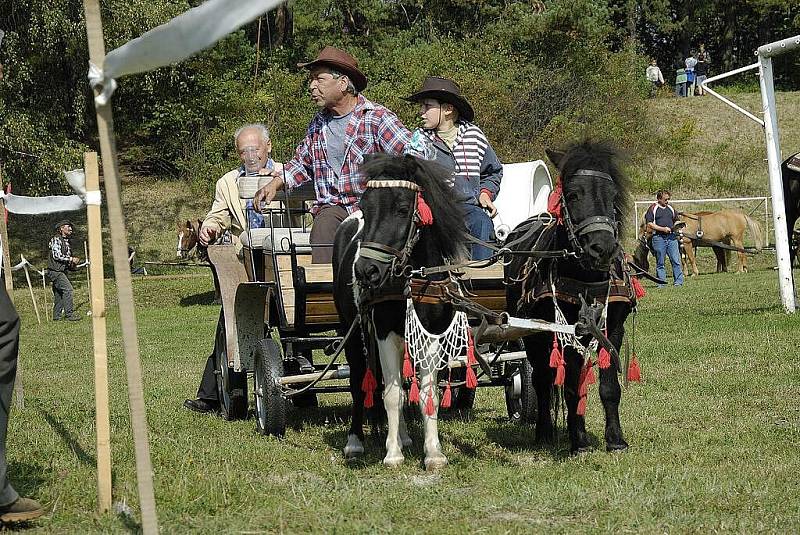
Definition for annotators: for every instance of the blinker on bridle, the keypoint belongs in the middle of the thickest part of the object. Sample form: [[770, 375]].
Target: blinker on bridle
[[385, 254]]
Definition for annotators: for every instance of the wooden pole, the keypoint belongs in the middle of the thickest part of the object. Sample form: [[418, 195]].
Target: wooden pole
[[47, 316], [258, 53], [30, 288], [86, 251], [98, 306], [19, 391], [122, 273]]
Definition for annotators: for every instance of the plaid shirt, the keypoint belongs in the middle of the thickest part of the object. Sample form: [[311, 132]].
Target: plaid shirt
[[372, 128]]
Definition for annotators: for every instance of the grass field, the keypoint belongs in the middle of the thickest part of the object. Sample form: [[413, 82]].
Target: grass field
[[713, 433]]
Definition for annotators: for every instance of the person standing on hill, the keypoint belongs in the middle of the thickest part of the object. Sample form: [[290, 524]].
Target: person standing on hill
[[680, 81], [655, 77], [691, 62], [661, 218], [59, 261], [701, 73]]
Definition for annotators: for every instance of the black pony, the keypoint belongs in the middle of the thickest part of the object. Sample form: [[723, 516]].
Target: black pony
[[589, 203], [408, 219], [790, 169]]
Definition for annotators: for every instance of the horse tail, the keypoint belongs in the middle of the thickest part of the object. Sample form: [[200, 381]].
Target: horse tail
[[755, 230]]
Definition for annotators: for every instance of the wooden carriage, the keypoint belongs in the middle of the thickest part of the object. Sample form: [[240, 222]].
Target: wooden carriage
[[278, 308]]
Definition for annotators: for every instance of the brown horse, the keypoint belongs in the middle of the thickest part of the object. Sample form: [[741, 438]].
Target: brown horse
[[644, 248], [187, 237], [724, 226]]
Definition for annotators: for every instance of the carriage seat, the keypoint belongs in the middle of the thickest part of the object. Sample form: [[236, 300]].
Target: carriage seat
[[277, 239]]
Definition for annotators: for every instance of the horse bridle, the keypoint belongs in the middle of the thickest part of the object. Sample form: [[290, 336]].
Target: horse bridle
[[385, 254], [591, 223]]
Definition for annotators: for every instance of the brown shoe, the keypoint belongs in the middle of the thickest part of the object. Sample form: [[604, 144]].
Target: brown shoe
[[22, 510]]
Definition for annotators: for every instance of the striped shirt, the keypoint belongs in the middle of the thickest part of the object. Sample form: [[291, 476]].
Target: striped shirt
[[475, 164], [371, 128]]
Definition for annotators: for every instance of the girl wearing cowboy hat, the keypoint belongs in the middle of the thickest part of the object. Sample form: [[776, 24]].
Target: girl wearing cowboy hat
[[449, 137]]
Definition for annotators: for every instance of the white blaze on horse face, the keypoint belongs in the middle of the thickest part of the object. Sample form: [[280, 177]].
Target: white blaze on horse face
[[178, 249], [390, 350]]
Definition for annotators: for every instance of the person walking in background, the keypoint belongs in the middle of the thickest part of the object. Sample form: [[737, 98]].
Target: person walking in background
[[661, 218], [59, 261], [680, 81], [701, 73], [655, 77]]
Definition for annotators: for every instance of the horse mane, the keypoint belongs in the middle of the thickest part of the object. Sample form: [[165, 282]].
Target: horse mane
[[448, 215], [600, 156]]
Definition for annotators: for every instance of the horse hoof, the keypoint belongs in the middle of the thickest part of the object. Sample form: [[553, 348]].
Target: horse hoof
[[620, 446], [354, 448], [393, 461], [435, 463]]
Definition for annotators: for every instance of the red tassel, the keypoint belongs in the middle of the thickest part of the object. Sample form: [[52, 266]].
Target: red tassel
[[472, 379], [604, 359], [429, 403], [471, 360], [590, 379], [555, 354], [554, 201], [560, 374], [581, 406], [413, 397], [634, 372], [583, 381], [638, 289], [368, 386], [424, 211], [408, 370], [447, 398]]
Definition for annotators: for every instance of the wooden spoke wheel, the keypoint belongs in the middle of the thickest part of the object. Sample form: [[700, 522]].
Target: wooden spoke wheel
[[271, 407]]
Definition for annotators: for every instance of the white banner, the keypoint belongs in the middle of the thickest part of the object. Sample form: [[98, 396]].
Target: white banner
[[183, 36]]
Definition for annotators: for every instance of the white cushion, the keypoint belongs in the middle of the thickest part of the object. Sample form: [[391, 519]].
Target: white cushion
[[523, 193], [277, 239]]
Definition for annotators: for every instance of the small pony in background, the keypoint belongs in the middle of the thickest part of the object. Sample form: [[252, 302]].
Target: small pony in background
[[188, 232]]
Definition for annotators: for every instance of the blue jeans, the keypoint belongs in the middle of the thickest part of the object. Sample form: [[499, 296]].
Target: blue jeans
[[479, 225], [663, 246]]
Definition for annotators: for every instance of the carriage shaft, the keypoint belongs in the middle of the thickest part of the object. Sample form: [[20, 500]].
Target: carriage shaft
[[516, 328], [342, 372]]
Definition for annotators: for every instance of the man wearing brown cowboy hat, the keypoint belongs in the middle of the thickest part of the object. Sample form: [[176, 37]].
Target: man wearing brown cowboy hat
[[347, 127], [59, 261], [449, 137]]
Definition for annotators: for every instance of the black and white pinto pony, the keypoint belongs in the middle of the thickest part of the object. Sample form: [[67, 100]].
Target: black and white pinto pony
[[408, 219], [588, 203]]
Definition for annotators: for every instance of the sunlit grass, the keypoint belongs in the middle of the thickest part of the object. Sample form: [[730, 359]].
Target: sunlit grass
[[713, 432]]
